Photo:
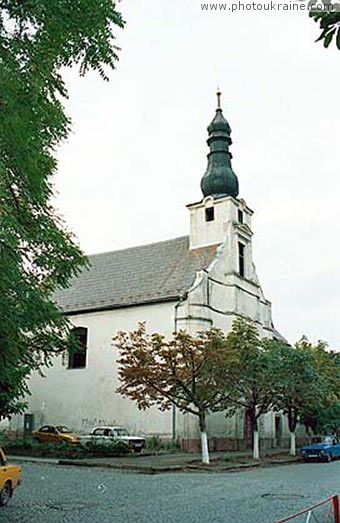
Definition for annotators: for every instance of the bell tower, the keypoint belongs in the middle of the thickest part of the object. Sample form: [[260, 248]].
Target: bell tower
[[221, 212], [229, 287]]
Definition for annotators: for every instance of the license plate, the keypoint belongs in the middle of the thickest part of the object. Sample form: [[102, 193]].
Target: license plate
[[313, 455]]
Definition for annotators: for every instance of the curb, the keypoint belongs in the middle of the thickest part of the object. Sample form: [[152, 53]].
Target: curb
[[148, 469], [186, 467], [32, 459], [155, 469]]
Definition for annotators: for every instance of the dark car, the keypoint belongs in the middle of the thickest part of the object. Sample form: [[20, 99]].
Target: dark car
[[322, 448]]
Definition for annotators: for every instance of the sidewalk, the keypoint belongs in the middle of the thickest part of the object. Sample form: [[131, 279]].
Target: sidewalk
[[227, 461]]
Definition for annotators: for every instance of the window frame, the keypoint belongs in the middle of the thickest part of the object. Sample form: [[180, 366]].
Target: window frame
[[241, 259], [77, 359], [209, 214]]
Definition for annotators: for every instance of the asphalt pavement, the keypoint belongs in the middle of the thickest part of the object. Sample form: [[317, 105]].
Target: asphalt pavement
[[62, 494]]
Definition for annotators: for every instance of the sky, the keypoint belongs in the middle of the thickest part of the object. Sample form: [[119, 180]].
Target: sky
[[137, 150]]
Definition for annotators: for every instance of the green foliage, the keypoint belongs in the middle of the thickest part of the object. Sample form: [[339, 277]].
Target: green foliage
[[296, 381], [323, 419], [247, 372], [329, 22], [37, 252], [306, 381], [107, 449], [155, 444]]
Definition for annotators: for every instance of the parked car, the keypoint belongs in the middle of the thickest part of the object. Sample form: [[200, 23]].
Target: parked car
[[323, 448], [106, 435], [55, 434], [9, 479]]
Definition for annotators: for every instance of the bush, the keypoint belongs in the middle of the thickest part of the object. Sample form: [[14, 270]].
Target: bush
[[156, 444], [107, 449], [29, 446]]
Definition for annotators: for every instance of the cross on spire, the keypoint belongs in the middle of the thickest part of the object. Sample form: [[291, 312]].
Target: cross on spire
[[218, 98]]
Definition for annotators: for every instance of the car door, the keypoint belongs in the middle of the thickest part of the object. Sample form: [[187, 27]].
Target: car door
[[51, 435], [3, 472], [43, 434], [336, 447], [98, 435]]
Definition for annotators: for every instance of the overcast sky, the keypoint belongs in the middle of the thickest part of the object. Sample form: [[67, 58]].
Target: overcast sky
[[138, 147]]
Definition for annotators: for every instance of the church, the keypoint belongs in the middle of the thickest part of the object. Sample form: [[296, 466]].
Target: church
[[193, 282]]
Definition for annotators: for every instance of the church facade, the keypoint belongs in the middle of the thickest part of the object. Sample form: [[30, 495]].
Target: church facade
[[194, 282]]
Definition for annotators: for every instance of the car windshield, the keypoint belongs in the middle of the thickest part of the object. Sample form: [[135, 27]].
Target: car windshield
[[63, 430], [328, 440], [121, 432], [317, 439], [322, 439]]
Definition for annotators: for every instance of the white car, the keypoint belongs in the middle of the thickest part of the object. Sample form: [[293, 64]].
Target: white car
[[106, 435]]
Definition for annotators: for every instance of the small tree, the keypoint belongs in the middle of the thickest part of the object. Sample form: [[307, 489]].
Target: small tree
[[180, 372], [249, 375], [323, 414], [323, 419], [296, 381]]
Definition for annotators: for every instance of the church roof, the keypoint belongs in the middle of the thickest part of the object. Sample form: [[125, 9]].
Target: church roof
[[145, 274]]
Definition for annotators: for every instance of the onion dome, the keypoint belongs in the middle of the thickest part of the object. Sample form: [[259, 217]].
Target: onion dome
[[219, 179]]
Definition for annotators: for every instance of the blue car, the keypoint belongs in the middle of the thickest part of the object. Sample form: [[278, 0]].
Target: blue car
[[323, 448]]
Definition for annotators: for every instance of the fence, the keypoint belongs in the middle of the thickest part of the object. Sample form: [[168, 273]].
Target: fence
[[326, 511]]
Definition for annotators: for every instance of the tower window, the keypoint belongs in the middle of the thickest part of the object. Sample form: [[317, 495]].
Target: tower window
[[209, 214], [240, 216], [241, 259], [77, 355]]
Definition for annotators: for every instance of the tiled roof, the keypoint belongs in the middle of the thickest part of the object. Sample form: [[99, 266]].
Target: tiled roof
[[145, 274]]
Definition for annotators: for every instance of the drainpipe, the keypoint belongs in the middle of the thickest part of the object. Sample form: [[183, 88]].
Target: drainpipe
[[173, 405]]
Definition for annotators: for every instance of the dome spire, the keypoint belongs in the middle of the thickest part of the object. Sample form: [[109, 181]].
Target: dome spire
[[219, 179]]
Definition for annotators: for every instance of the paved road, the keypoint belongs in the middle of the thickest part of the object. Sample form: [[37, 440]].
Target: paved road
[[57, 494]]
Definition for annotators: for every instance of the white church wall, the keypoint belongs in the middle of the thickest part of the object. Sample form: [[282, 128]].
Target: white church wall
[[83, 398]]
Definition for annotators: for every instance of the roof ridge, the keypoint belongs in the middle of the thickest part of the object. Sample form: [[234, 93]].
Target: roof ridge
[[136, 247]]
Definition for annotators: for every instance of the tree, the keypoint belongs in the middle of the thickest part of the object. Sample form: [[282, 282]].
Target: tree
[[306, 383], [323, 419], [37, 253], [296, 381], [180, 372], [249, 382], [329, 21], [323, 415]]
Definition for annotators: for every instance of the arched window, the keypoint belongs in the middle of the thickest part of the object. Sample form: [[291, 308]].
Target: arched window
[[77, 355]]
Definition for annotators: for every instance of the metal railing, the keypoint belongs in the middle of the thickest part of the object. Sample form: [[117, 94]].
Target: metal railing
[[326, 511]]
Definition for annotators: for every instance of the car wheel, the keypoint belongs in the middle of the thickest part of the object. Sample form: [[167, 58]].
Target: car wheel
[[329, 458], [5, 494]]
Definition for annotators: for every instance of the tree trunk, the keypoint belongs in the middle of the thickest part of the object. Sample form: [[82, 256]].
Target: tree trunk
[[256, 436], [256, 447], [204, 439], [292, 443], [292, 422]]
